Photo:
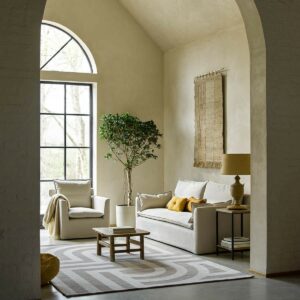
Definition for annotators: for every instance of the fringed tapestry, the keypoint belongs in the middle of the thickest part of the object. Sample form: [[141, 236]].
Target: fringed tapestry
[[209, 140]]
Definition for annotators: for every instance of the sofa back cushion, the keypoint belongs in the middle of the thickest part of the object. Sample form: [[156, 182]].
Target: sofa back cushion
[[188, 189], [217, 192], [77, 192], [154, 201]]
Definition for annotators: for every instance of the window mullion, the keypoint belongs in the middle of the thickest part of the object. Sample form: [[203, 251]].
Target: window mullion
[[65, 131], [58, 51], [91, 135]]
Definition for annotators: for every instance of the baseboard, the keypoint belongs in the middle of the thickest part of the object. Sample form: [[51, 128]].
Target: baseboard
[[278, 274]]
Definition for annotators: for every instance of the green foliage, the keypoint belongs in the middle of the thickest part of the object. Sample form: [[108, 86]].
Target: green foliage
[[131, 141]]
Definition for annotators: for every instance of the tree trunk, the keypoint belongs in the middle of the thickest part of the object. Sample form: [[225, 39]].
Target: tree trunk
[[129, 187]]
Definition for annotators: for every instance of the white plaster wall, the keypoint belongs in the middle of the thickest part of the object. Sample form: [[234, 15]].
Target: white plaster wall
[[130, 80], [19, 149], [226, 49], [259, 235]]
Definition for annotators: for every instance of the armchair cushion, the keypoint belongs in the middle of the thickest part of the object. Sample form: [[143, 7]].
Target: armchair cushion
[[77, 192], [84, 212]]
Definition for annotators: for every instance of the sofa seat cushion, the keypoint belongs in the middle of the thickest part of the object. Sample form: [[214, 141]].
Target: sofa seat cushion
[[84, 212], [165, 215]]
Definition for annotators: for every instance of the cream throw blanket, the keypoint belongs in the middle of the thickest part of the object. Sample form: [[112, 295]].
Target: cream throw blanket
[[51, 217]]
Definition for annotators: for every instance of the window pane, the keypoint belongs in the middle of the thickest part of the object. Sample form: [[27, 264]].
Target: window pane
[[52, 39], [78, 163], [52, 163], [78, 131], [52, 98], [78, 99], [52, 130], [45, 198], [69, 59]]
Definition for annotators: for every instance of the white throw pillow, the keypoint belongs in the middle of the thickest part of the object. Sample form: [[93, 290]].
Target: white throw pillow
[[187, 189], [217, 192], [154, 201], [77, 192]]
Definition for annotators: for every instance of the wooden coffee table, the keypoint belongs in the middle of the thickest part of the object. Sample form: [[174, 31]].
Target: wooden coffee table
[[107, 239]]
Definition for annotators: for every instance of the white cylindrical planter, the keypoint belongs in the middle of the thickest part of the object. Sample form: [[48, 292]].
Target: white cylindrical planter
[[125, 215]]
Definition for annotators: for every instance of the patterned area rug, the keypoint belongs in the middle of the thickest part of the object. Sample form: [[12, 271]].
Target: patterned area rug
[[82, 272]]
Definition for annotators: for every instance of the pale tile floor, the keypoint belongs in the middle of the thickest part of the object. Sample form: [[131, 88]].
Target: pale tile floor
[[281, 288]]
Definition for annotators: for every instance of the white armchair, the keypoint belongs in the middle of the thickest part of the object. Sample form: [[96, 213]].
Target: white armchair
[[86, 210]]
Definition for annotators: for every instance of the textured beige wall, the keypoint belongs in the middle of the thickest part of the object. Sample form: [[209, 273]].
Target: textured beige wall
[[226, 49], [19, 149], [130, 68]]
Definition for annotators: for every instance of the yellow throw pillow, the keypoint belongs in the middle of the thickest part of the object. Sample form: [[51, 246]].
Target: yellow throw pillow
[[177, 204], [191, 200]]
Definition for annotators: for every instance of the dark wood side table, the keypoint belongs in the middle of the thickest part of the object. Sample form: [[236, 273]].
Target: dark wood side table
[[105, 238], [232, 213]]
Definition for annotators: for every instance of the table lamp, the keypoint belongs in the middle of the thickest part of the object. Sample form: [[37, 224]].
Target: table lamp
[[236, 164]]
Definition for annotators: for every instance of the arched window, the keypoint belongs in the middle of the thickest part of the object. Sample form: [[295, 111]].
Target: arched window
[[66, 111], [61, 51]]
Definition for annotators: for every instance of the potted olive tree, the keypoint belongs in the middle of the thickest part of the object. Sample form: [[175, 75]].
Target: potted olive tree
[[131, 142]]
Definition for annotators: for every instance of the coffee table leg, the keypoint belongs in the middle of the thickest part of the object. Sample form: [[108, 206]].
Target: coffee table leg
[[99, 247], [142, 247], [127, 244], [112, 248]]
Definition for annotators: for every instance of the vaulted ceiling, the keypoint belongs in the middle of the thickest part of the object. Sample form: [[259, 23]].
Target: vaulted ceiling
[[172, 23]]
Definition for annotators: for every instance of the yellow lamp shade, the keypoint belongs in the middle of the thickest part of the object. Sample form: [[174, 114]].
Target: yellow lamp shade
[[236, 164]]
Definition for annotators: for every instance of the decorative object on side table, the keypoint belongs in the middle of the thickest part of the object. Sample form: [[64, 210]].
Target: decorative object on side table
[[131, 142], [236, 164], [233, 243]]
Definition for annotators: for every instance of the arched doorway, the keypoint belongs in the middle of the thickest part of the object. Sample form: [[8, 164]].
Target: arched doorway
[[19, 130]]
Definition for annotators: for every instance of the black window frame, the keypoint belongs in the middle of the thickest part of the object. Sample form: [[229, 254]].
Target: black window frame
[[65, 114]]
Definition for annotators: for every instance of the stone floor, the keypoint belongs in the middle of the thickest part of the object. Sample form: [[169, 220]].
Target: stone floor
[[258, 288]]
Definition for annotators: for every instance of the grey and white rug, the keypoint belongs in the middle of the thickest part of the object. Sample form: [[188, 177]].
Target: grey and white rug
[[82, 272]]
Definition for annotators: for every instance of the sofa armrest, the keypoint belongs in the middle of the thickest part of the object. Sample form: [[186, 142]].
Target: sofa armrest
[[137, 205], [101, 204], [205, 229]]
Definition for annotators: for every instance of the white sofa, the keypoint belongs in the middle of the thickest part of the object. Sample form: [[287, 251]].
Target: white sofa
[[199, 237]]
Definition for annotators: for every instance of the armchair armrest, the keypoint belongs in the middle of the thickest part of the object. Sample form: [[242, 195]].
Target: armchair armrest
[[63, 213], [63, 208], [101, 204]]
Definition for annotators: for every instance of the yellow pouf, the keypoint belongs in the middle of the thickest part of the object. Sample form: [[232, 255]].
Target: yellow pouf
[[49, 267]]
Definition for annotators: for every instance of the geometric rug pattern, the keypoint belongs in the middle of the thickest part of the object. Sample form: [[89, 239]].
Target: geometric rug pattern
[[82, 272]]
